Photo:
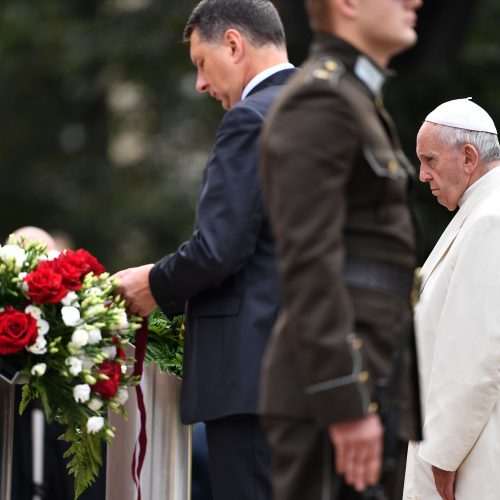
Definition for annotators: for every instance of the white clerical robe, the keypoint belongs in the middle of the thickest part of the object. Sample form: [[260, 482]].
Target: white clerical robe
[[458, 339]]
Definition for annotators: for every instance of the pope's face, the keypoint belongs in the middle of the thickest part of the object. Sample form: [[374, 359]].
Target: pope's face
[[217, 73], [388, 26], [441, 166]]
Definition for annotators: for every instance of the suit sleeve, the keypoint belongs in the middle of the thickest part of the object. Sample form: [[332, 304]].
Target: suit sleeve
[[465, 377], [308, 158], [229, 215]]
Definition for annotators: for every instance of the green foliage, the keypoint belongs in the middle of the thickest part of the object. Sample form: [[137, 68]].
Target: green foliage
[[29, 393], [165, 342], [84, 453]]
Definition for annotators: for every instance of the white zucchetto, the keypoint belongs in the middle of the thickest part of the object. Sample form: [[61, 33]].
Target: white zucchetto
[[464, 114]]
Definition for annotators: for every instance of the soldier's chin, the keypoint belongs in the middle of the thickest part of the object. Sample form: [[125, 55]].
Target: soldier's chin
[[407, 40]]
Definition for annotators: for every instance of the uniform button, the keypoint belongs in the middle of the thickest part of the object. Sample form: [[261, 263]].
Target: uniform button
[[363, 377], [372, 408], [322, 74], [357, 344], [392, 166], [331, 65]]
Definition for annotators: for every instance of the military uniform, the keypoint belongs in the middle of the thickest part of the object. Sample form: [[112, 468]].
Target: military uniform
[[336, 184]]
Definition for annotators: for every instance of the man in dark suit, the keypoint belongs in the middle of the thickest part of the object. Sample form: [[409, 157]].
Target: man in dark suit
[[337, 377], [226, 274]]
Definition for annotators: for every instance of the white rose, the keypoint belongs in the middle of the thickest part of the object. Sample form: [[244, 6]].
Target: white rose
[[94, 424], [42, 326], [81, 393], [70, 315], [13, 254], [109, 351], [71, 299], [95, 336], [39, 347], [36, 312], [80, 337], [39, 369], [75, 365], [122, 395], [95, 404], [123, 369]]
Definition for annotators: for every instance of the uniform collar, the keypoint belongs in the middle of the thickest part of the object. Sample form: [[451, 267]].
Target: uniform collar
[[365, 69]]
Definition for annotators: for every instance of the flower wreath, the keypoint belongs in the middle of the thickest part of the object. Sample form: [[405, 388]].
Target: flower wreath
[[63, 329]]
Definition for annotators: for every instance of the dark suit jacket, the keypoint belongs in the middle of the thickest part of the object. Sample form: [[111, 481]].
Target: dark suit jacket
[[226, 272]]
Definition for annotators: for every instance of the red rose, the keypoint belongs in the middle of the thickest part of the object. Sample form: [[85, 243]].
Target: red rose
[[108, 388], [71, 275], [17, 330], [45, 285], [83, 261]]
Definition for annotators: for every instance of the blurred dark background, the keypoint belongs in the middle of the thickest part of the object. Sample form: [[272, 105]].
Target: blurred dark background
[[103, 137]]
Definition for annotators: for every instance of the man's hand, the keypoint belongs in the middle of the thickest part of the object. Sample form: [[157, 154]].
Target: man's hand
[[358, 450], [134, 288], [445, 483]]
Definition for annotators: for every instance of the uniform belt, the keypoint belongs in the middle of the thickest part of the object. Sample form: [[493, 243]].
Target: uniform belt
[[379, 276]]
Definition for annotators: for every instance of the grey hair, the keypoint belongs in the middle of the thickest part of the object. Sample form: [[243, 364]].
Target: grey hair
[[257, 20], [487, 144]]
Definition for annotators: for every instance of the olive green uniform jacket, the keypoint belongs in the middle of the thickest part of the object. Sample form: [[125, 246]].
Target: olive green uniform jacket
[[336, 184]]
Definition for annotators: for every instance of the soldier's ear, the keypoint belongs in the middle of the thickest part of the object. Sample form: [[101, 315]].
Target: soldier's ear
[[471, 158], [345, 8]]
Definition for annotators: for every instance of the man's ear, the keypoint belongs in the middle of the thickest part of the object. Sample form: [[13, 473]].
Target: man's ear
[[471, 159], [235, 43]]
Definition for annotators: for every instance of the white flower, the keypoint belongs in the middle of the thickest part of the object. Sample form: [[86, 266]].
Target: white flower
[[39, 347], [81, 393], [80, 337], [93, 291], [42, 326], [94, 424], [95, 336], [36, 312], [122, 395], [53, 254], [87, 363], [13, 254], [95, 404], [71, 299], [70, 315], [120, 320], [109, 351], [39, 369], [75, 365], [124, 369]]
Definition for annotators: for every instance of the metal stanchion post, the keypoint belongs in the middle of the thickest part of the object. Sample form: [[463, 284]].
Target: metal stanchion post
[[6, 437], [167, 468]]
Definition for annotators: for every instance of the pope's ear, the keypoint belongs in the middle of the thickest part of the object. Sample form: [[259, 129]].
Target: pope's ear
[[471, 158]]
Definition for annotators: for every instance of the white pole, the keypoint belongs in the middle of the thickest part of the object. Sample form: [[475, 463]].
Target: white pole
[[37, 438], [6, 438]]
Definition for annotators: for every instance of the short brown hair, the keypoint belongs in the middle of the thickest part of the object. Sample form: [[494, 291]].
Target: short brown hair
[[319, 14]]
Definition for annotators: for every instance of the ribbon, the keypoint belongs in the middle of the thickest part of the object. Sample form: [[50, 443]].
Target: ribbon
[[142, 440]]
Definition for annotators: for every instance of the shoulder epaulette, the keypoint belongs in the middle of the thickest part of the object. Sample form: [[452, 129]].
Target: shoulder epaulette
[[328, 69]]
